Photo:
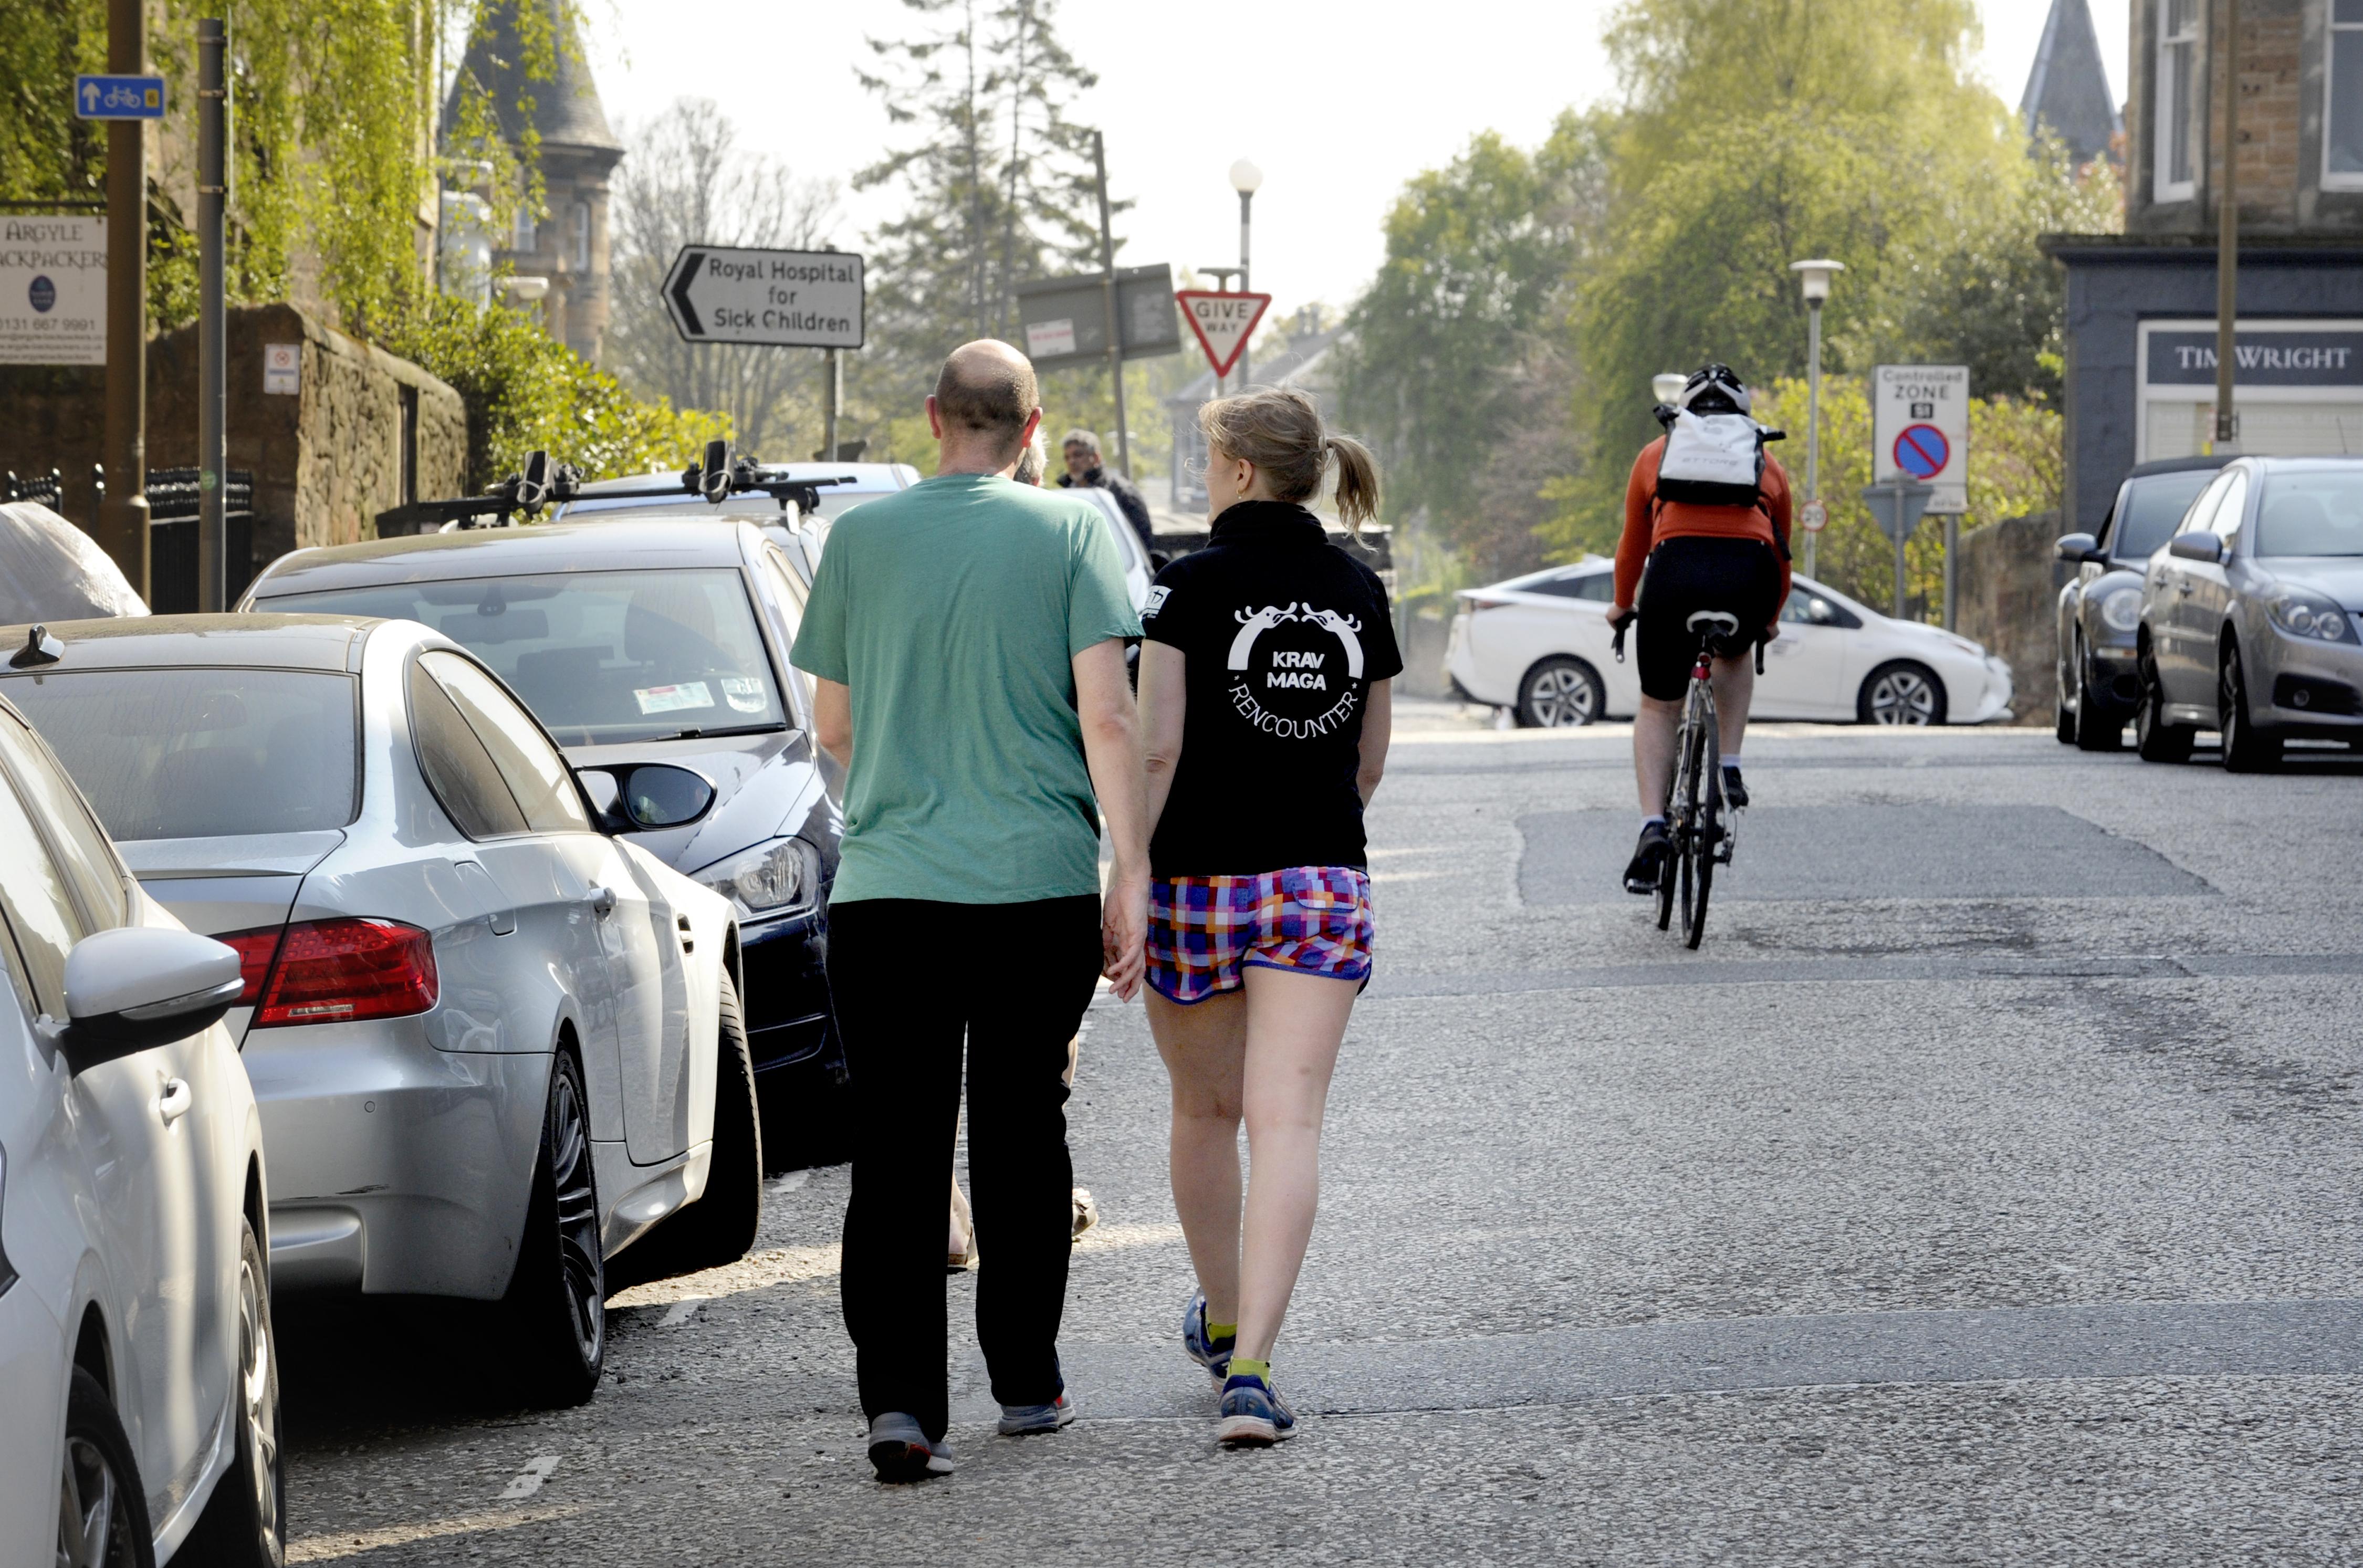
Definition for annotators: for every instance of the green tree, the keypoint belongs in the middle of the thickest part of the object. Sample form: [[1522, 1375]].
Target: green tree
[[997, 180], [1756, 132], [1456, 360]]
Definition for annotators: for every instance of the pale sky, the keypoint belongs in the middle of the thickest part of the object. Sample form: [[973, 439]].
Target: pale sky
[[1339, 101]]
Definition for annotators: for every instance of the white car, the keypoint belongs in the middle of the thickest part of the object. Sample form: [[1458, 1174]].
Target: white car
[[1539, 645], [496, 1042], [139, 1384]]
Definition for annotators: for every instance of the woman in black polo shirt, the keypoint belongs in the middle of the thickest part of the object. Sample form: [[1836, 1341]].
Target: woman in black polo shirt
[[1264, 695]]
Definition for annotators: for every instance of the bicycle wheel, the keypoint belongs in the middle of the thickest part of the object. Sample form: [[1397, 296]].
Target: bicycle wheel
[[1698, 845]]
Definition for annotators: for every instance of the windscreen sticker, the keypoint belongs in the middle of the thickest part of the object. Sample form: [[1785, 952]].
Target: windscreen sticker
[[745, 693], [666, 699]]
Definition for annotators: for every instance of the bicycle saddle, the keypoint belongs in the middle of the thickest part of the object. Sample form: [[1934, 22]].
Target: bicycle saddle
[[1718, 623]]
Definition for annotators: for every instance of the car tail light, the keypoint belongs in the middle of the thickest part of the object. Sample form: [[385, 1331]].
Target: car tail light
[[336, 972], [255, 951]]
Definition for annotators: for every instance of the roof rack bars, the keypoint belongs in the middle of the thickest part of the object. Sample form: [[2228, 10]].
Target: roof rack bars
[[718, 476]]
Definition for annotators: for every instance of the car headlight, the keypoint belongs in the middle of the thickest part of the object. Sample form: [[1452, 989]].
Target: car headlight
[[768, 878], [2303, 613], [2121, 608]]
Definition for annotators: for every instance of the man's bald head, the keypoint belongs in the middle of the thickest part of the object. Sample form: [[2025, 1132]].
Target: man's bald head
[[987, 391]]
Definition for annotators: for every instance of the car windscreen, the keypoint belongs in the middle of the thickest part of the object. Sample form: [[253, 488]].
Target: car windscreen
[[2311, 513], [603, 658], [201, 753], [2152, 504]]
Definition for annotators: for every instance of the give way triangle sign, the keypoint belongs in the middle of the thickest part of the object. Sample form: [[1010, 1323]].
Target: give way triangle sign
[[1222, 322]]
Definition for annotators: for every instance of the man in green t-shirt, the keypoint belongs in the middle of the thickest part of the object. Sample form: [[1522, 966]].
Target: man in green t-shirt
[[966, 638]]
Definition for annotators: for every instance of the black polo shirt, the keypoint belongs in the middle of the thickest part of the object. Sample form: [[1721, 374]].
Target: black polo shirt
[[1283, 633]]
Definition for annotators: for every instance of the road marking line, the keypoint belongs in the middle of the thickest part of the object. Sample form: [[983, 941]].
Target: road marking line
[[528, 1480], [681, 1312]]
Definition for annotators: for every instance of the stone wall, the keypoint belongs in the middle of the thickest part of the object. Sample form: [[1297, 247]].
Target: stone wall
[[2008, 582], [365, 431]]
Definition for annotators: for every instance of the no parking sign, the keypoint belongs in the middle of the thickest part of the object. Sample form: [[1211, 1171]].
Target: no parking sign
[[1920, 431]]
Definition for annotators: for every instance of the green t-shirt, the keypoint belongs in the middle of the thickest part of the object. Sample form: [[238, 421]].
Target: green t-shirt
[[953, 611]]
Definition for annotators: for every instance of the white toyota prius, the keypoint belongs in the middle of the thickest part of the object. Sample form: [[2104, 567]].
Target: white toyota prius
[[1540, 645]]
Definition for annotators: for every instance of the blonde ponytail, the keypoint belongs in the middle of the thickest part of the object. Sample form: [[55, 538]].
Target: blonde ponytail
[[1279, 429]]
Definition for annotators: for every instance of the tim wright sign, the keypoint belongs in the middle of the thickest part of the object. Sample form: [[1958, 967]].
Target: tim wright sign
[[797, 299]]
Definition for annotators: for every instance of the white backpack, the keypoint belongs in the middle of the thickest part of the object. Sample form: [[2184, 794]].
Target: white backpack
[[1712, 459]]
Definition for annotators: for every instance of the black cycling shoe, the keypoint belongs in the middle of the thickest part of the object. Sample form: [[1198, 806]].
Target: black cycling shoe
[[1734, 791], [1648, 858]]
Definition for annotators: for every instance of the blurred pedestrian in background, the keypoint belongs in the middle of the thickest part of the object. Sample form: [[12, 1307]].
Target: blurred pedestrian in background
[[966, 637], [1081, 451], [1264, 694]]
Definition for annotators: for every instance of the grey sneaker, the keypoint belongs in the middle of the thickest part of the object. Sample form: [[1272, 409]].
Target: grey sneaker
[[1027, 1421], [901, 1451]]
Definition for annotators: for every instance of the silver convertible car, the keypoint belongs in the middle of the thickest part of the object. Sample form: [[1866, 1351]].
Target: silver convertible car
[[2249, 615], [494, 1044]]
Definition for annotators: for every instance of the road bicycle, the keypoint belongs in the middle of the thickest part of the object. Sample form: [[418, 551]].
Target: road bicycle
[[1700, 828]]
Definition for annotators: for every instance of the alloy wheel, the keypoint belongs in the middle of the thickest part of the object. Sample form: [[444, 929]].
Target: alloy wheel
[[1560, 697], [93, 1516], [257, 1388], [577, 1212], [1902, 696]]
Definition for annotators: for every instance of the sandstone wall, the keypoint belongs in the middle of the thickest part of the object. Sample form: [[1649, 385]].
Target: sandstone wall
[[326, 460], [2009, 586]]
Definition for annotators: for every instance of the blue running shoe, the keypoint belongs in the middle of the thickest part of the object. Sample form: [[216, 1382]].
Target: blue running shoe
[[1025, 1420], [1213, 1354], [1253, 1416]]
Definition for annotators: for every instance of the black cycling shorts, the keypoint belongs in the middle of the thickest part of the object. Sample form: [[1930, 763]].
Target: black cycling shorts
[[1686, 575]]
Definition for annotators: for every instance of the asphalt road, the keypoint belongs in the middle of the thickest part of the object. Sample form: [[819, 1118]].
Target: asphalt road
[[1984, 1191]]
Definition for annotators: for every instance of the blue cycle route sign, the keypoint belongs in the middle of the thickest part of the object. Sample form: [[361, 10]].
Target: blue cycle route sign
[[119, 97], [1922, 450]]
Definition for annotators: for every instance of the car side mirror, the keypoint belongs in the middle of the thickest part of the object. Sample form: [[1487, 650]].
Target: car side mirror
[[2076, 548], [136, 987], [2203, 547], [634, 797]]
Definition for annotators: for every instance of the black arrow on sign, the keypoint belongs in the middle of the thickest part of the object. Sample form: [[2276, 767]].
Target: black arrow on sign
[[690, 262]]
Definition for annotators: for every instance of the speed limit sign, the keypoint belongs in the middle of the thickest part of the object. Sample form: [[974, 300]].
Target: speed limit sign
[[1813, 516]]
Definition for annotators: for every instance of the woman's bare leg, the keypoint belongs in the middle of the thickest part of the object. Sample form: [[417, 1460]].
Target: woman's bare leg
[[1294, 1025], [1203, 1045]]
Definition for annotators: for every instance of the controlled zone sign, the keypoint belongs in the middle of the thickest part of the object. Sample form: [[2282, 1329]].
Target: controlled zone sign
[[1920, 431], [789, 299], [52, 289], [1222, 322]]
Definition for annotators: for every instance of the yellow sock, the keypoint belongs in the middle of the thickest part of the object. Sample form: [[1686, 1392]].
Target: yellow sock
[[1242, 1366], [1218, 1332]]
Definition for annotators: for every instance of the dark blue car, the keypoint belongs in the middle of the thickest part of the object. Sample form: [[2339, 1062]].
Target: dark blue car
[[659, 641]]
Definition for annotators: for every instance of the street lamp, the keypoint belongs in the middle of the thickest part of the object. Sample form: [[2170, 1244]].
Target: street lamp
[[1814, 277], [1245, 179]]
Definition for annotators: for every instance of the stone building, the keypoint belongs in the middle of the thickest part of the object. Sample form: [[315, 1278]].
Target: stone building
[[2068, 90], [2141, 304], [566, 241]]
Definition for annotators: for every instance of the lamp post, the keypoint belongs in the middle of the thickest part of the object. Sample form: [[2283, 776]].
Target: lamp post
[[1245, 179], [1814, 277]]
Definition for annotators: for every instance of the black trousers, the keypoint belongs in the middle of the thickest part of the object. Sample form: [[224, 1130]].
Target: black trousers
[[911, 981], [1686, 575]]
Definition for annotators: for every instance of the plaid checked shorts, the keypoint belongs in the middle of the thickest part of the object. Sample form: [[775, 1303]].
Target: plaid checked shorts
[[1203, 929]]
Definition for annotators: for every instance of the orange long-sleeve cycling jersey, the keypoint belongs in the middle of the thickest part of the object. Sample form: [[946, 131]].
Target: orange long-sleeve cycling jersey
[[1648, 521]]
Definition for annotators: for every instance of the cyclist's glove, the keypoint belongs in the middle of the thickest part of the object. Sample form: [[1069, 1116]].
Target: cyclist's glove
[[1622, 622]]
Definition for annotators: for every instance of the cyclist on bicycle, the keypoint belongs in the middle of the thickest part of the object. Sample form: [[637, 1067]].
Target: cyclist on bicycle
[[1680, 556]]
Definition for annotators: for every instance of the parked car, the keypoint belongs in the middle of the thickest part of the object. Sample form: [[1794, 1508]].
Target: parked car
[[1540, 645], [641, 641], [2100, 608], [2249, 614], [52, 571], [493, 1040], [138, 1377]]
